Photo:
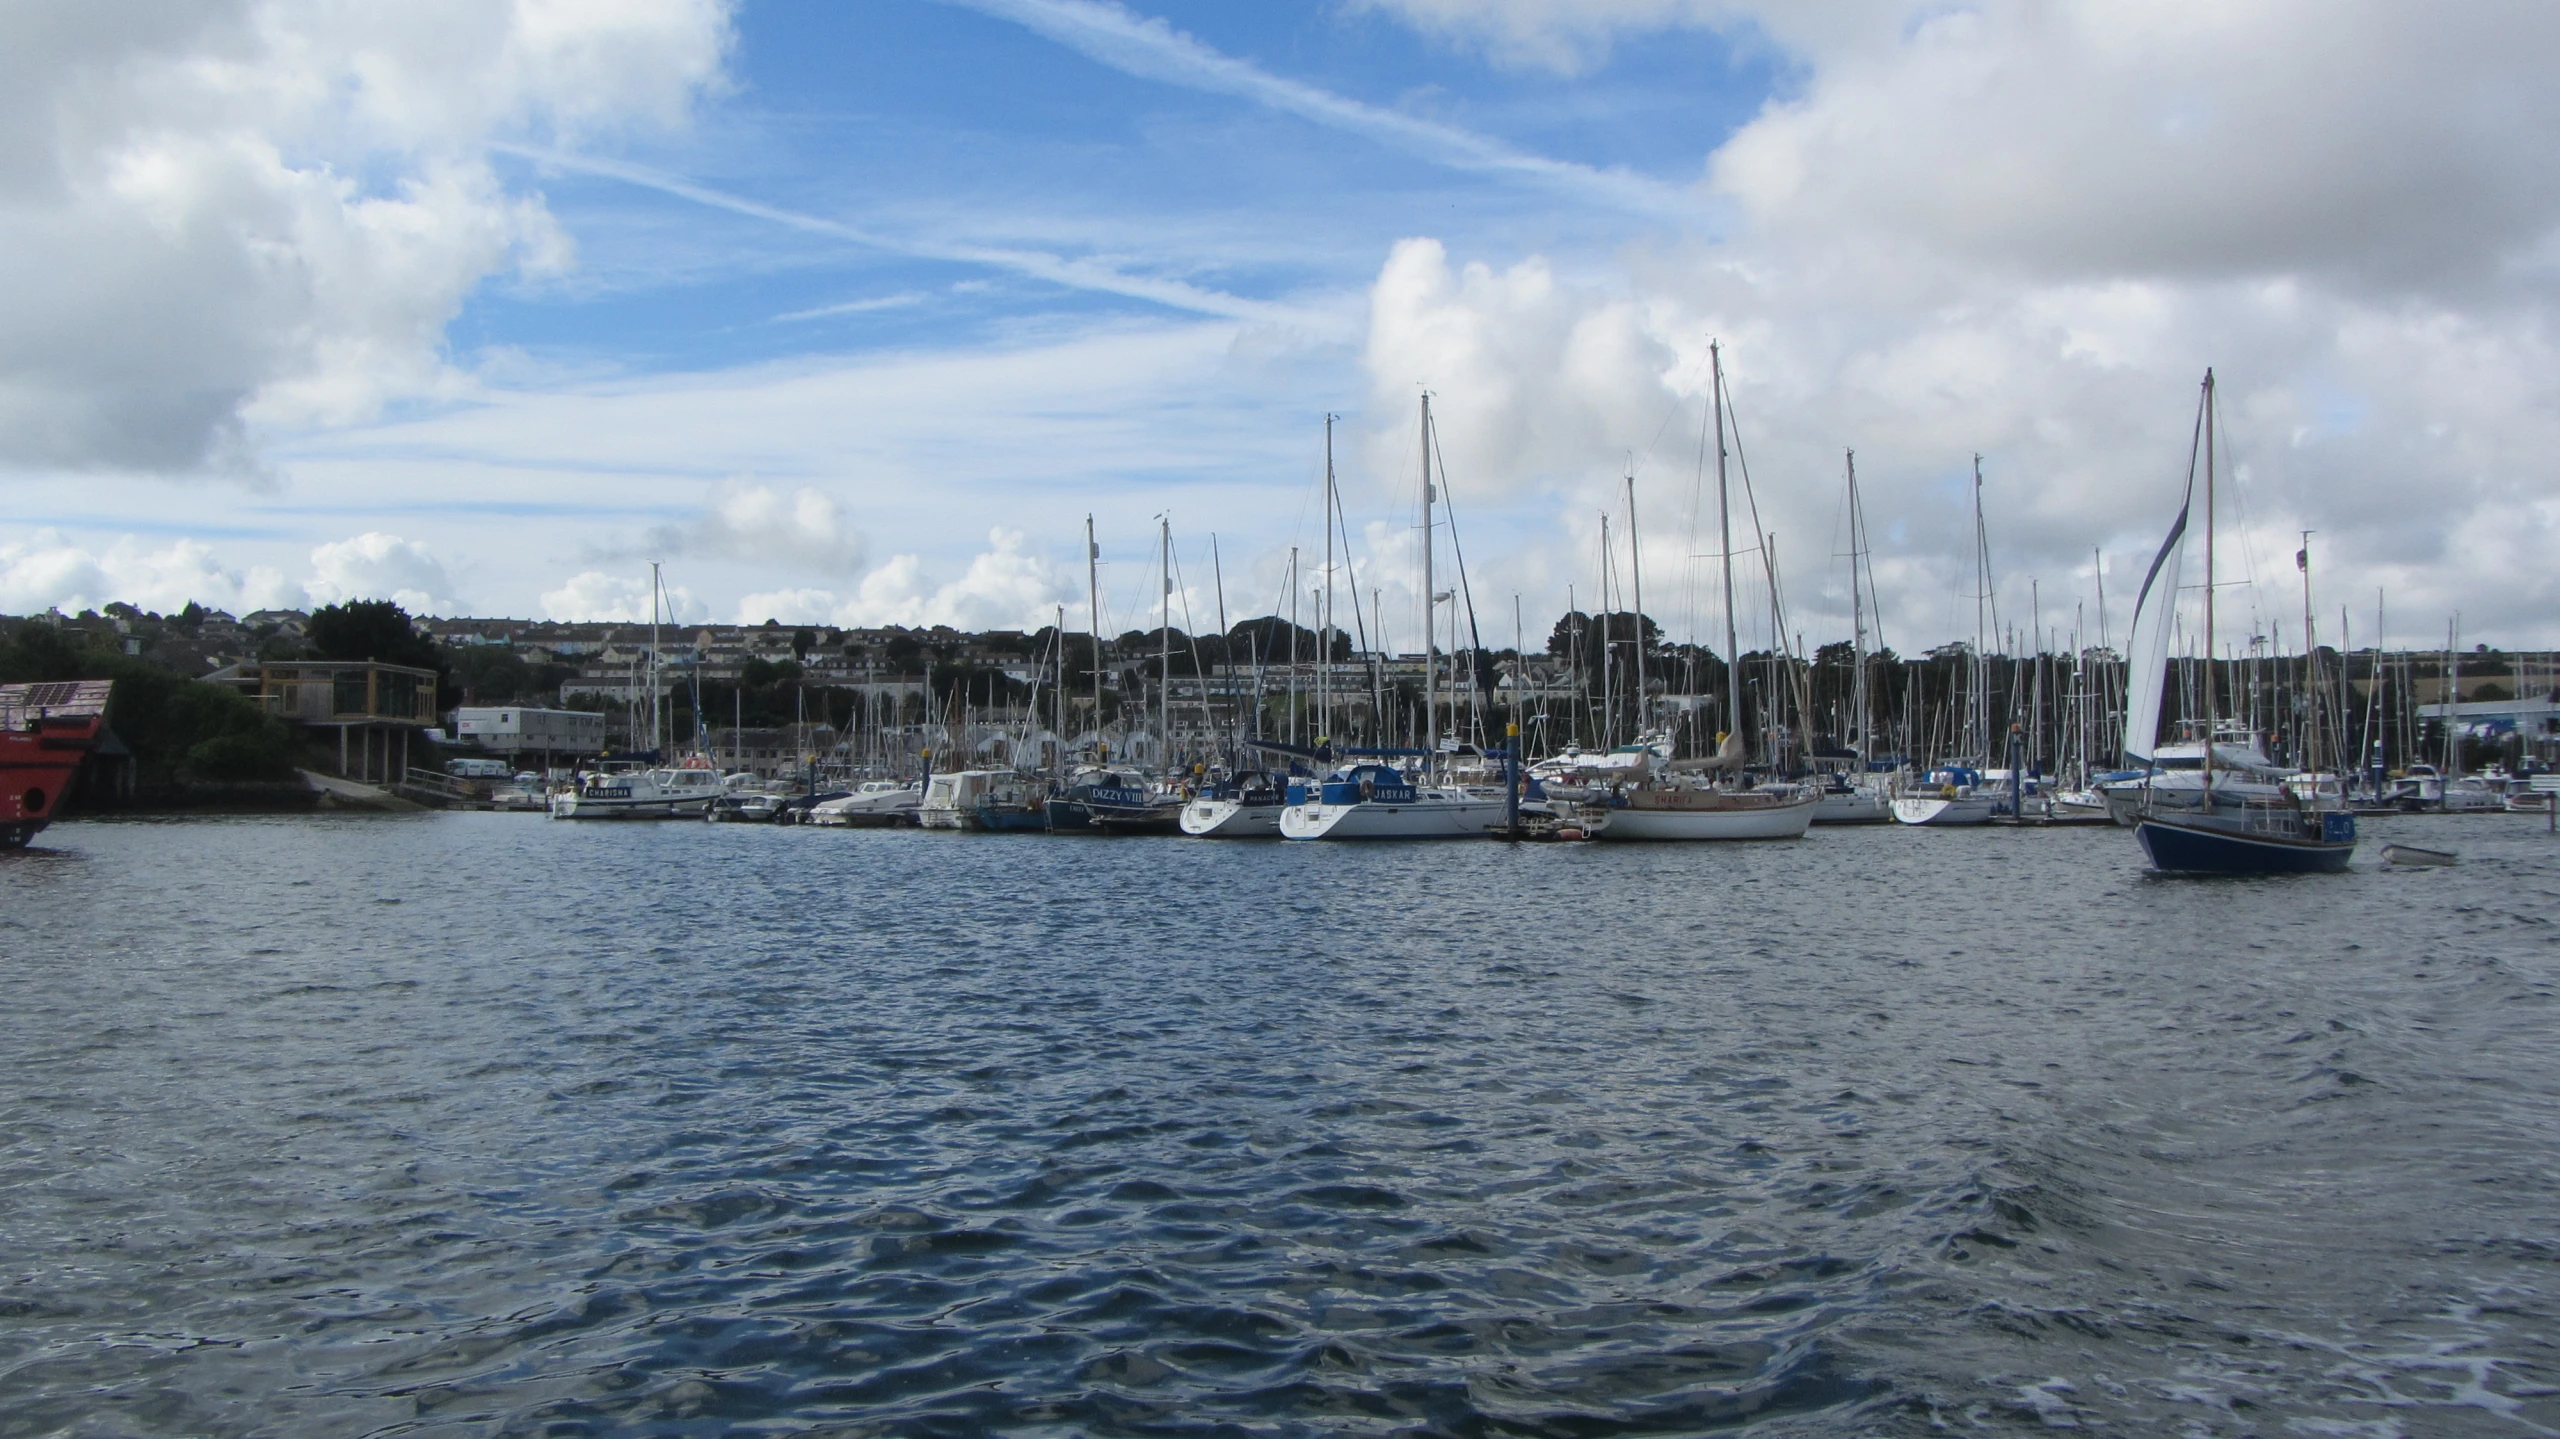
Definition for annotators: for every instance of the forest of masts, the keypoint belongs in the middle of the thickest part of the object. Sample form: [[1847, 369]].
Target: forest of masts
[[1598, 684]]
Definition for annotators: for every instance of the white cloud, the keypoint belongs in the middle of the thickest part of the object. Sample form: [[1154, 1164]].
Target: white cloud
[[761, 525], [376, 566], [46, 572], [264, 212], [2025, 231], [1002, 588], [596, 595]]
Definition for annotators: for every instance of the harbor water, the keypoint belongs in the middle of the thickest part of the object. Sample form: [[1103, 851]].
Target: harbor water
[[482, 1124]]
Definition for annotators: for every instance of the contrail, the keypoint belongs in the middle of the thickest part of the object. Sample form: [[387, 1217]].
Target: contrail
[[1151, 49], [1057, 269]]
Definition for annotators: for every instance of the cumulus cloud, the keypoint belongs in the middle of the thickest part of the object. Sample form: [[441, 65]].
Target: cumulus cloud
[[264, 212], [376, 566], [762, 525], [595, 595], [2025, 231], [46, 572], [1002, 588]]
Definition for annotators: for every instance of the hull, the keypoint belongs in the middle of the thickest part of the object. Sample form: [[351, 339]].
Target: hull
[[1857, 806], [2185, 845], [45, 731], [1414, 819], [1231, 819], [1070, 816], [1786, 820], [1940, 810], [1012, 819], [576, 806]]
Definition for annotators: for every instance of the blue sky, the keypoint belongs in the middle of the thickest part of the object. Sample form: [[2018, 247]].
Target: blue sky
[[853, 312]]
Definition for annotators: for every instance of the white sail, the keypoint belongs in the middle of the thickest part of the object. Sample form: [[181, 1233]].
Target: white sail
[[2155, 618]]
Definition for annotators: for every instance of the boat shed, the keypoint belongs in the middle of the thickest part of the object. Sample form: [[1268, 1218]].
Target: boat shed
[[374, 707]]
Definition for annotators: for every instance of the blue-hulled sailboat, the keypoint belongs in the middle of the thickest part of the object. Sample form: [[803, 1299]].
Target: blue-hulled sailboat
[[2241, 825]]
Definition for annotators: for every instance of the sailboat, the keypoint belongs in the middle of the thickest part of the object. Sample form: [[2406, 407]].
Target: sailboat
[[1855, 798], [1682, 800], [1377, 801], [2235, 827], [1957, 792]]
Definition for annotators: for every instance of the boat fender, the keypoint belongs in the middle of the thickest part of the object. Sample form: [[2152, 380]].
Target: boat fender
[[1946, 791]]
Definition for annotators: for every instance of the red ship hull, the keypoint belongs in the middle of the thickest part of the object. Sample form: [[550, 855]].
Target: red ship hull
[[45, 731]]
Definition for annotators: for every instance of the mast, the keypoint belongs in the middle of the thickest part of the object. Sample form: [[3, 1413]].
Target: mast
[[2208, 588], [2310, 663], [1324, 634], [1857, 617], [1430, 607], [1293, 644], [1059, 699], [656, 588], [1608, 660], [1724, 525], [1978, 721], [1226, 660], [1093, 598], [1164, 644], [1635, 577]]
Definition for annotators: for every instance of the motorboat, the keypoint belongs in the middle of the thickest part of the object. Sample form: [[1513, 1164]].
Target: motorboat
[[1376, 801], [679, 792], [1099, 799], [873, 804], [980, 799]]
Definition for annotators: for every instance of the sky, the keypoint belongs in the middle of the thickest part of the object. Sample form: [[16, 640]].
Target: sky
[[852, 313]]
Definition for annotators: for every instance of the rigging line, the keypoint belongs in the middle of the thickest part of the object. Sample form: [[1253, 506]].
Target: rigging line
[[1475, 639]]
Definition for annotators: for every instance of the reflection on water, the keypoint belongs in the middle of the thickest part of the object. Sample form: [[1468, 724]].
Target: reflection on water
[[479, 1123]]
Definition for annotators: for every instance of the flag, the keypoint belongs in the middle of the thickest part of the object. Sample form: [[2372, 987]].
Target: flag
[[2302, 560]]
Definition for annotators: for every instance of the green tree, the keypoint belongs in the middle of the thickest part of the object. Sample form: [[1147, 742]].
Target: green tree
[[377, 630]]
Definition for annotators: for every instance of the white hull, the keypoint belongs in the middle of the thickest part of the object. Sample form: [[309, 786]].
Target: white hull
[[1939, 810], [1231, 819], [1428, 817], [1858, 806], [1778, 821]]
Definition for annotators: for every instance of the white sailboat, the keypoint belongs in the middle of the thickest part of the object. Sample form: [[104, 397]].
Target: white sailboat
[[1958, 793], [1682, 800], [1856, 797], [1377, 801]]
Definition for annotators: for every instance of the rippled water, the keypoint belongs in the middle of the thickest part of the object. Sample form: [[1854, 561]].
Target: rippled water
[[479, 1124]]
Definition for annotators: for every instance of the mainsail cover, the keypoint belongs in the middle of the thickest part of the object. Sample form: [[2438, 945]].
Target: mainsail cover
[[2155, 619]]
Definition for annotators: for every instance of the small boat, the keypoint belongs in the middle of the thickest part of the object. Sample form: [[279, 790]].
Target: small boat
[[45, 730], [1376, 801], [1672, 809], [2530, 801], [2410, 854], [874, 804], [979, 799], [2251, 837], [682, 792], [1951, 794], [1245, 806], [1839, 800]]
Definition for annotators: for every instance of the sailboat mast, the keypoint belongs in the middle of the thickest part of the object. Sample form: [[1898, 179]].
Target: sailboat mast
[[1978, 721], [1324, 635], [2310, 660], [1608, 659], [1430, 607], [1724, 526], [2208, 588], [656, 588], [1164, 643], [1857, 616], [1635, 577], [1093, 598]]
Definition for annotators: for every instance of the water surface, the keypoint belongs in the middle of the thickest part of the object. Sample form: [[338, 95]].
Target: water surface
[[484, 1124]]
